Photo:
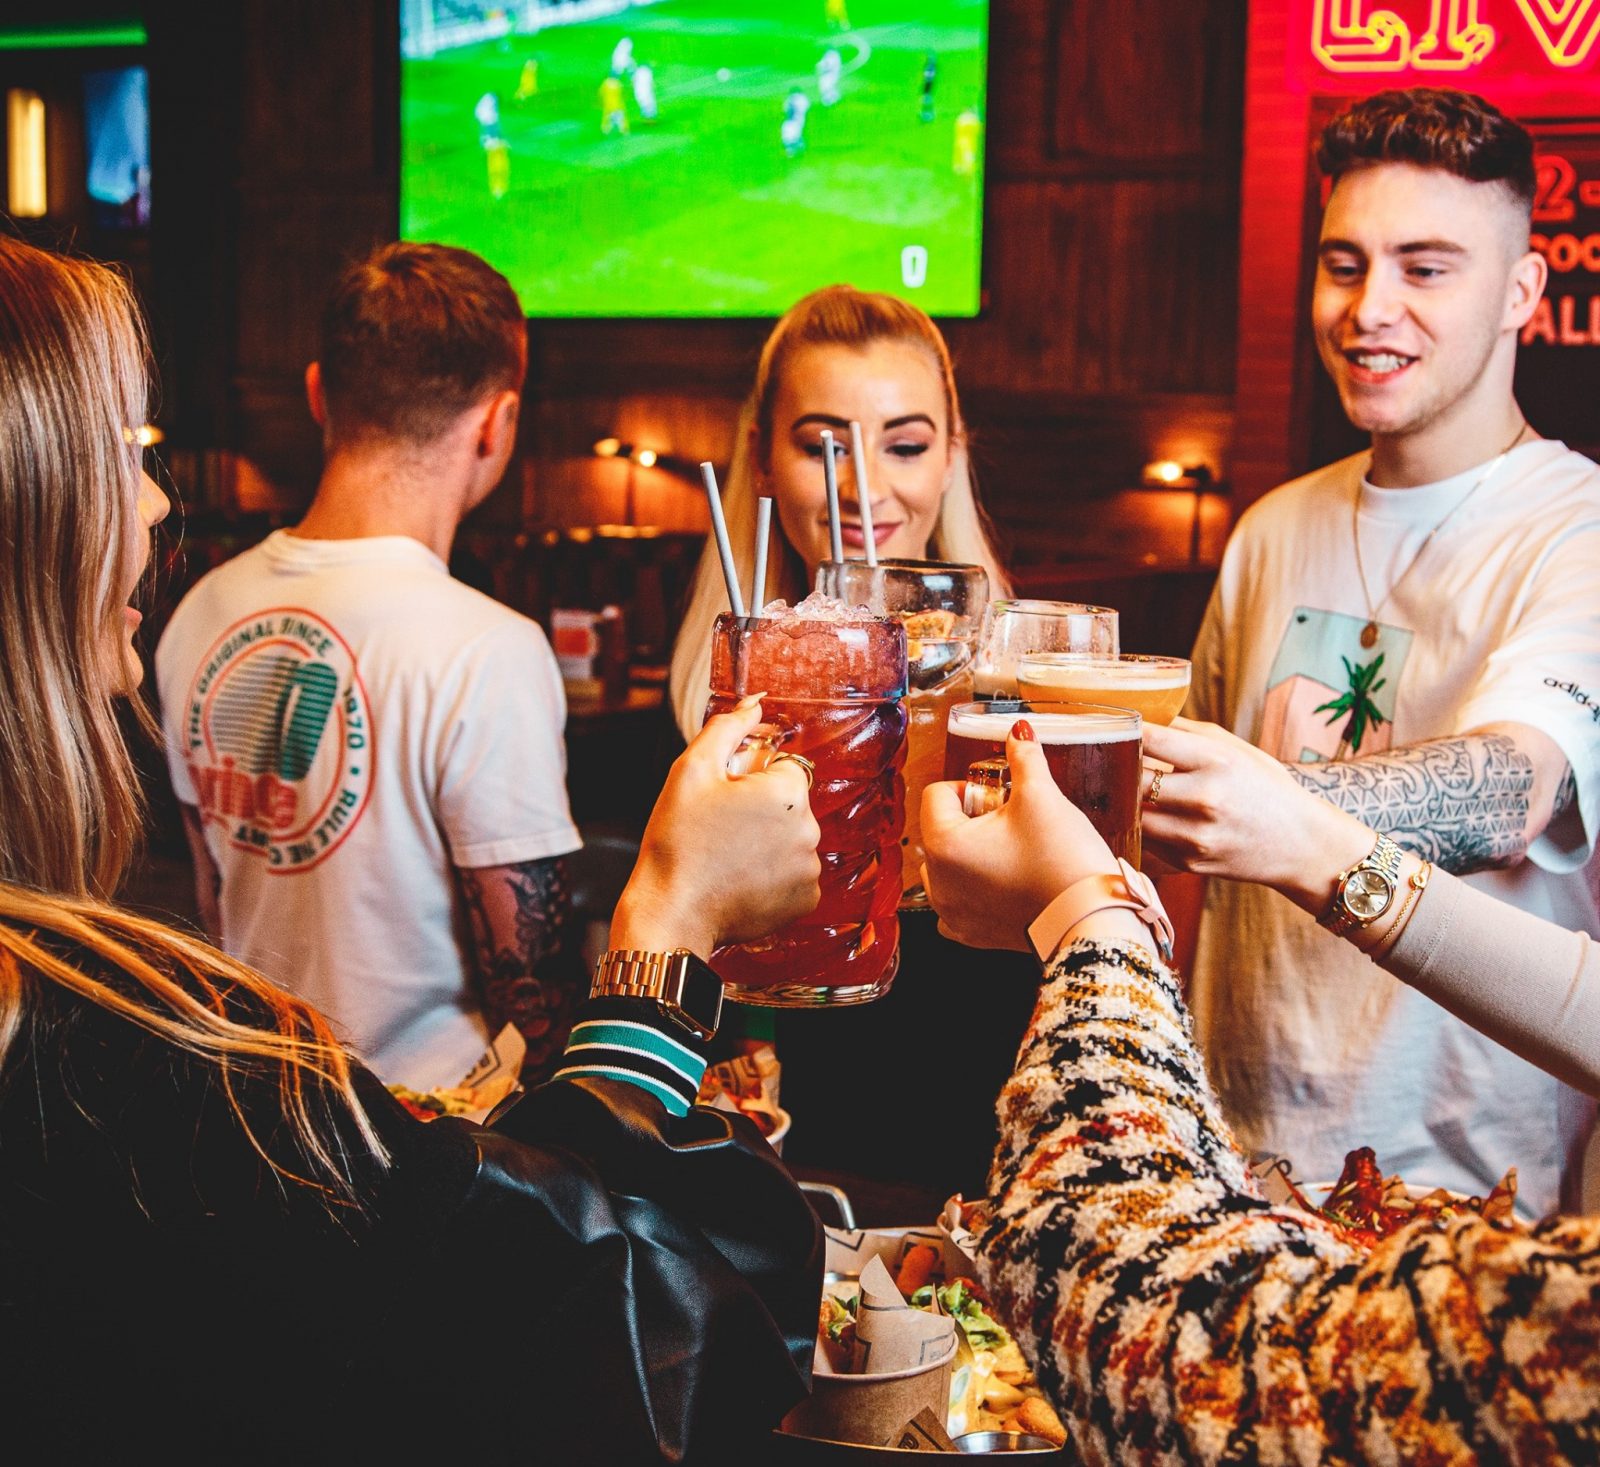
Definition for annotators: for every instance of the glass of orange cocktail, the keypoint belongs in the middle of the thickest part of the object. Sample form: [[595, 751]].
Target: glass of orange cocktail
[[1153, 687]]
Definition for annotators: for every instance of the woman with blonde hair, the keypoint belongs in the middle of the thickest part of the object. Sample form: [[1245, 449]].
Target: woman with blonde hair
[[837, 356], [840, 354], [221, 1238]]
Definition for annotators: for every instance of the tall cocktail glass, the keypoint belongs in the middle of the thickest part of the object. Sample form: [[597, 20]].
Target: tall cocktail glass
[[941, 606], [1093, 753], [835, 683], [1013, 628], [1153, 687]]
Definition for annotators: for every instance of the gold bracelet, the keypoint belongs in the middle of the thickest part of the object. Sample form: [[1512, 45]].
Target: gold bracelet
[[1418, 884]]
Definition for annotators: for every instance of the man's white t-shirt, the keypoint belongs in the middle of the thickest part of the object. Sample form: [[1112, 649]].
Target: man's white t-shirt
[[1315, 1050], [352, 725]]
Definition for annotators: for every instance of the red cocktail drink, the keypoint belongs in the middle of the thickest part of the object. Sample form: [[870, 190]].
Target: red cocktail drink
[[941, 606], [1093, 753], [835, 684]]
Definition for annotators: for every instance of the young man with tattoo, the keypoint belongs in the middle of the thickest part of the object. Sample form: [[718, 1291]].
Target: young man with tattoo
[[369, 754], [1404, 629]]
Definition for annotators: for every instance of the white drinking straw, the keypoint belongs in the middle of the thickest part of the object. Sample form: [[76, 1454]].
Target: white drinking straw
[[858, 452], [831, 479], [758, 580], [719, 528]]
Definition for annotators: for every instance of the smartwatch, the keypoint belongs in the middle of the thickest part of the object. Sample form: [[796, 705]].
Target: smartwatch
[[1364, 892], [682, 986]]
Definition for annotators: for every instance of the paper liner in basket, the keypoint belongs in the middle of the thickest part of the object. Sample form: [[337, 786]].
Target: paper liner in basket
[[746, 1085], [890, 1334], [957, 1225], [901, 1363]]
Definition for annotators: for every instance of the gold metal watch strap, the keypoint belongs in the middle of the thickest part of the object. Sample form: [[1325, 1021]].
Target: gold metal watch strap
[[1385, 858], [664, 978], [634, 973]]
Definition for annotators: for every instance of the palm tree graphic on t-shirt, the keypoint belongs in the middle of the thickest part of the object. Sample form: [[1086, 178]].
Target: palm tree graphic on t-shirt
[[1356, 704]]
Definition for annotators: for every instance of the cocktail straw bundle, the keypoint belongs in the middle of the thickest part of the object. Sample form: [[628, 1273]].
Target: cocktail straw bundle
[[719, 525]]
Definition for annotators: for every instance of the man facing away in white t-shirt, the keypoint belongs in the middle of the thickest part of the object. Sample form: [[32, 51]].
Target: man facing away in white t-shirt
[[369, 754], [1416, 633]]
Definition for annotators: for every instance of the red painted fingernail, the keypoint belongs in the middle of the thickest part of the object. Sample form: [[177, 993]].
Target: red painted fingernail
[[1023, 730]]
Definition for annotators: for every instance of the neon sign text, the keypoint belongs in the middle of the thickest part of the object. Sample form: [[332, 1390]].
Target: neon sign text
[[1448, 36]]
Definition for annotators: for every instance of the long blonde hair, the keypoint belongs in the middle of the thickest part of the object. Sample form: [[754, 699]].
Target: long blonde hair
[[181, 990], [838, 315], [74, 385]]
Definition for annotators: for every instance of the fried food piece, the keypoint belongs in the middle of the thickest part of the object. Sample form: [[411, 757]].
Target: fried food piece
[[916, 1268], [1000, 1397], [1038, 1416]]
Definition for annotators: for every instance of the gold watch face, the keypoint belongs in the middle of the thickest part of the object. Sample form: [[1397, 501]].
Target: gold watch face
[[1367, 894]]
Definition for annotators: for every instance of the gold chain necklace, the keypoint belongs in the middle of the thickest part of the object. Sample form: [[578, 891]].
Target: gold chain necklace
[[1369, 633]]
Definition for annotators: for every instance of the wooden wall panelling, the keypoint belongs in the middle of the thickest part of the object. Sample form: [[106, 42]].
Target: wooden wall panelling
[[316, 189], [1059, 481], [1109, 287], [1145, 82]]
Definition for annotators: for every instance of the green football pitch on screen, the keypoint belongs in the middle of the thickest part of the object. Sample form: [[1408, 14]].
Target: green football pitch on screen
[[700, 157]]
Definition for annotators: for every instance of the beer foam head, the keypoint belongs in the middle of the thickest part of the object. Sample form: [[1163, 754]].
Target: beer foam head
[[974, 722], [1132, 673]]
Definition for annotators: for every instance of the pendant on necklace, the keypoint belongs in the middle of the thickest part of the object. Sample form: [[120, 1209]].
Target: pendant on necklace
[[1369, 634]]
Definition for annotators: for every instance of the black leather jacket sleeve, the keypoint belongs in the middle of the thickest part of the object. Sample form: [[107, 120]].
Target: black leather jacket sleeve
[[663, 1275]]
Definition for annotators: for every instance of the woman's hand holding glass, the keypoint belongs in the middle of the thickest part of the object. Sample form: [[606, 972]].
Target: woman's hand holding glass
[[989, 876], [724, 858]]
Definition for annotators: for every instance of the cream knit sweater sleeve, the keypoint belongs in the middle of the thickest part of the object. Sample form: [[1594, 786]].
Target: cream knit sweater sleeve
[[1525, 982]]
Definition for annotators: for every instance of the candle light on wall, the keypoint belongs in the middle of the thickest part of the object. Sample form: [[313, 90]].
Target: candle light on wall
[[1198, 478], [636, 455], [27, 180]]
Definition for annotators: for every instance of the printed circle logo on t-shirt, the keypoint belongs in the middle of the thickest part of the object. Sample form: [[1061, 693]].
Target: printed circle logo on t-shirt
[[278, 738]]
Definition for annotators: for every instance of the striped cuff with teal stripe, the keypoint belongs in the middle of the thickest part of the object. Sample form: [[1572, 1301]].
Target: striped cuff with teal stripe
[[629, 1039]]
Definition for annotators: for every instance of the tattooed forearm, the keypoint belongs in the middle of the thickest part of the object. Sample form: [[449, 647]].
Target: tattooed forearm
[[1461, 803], [518, 916], [1566, 793]]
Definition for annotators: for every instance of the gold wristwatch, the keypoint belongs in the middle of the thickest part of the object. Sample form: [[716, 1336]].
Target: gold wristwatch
[[1364, 892], [682, 986]]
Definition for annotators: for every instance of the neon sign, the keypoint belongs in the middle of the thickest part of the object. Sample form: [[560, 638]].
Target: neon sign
[[1354, 36], [1566, 231]]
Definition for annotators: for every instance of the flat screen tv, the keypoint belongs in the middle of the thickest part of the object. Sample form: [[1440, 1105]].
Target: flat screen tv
[[700, 157]]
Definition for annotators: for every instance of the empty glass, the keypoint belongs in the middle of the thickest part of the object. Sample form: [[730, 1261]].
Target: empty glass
[[1012, 629]]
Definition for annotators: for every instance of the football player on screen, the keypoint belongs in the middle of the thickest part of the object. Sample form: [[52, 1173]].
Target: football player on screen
[[613, 114], [793, 131]]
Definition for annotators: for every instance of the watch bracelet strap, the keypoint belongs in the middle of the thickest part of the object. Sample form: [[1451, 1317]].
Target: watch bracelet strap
[[1105, 891], [1385, 856], [629, 1038]]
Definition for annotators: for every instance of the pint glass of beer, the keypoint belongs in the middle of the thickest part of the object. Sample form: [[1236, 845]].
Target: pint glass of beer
[[941, 606], [1153, 687], [1012, 629], [1093, 753], [835, 681]]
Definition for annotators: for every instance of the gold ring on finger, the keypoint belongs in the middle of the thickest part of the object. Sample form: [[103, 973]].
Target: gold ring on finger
[[1155, 788], [800, 759]]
